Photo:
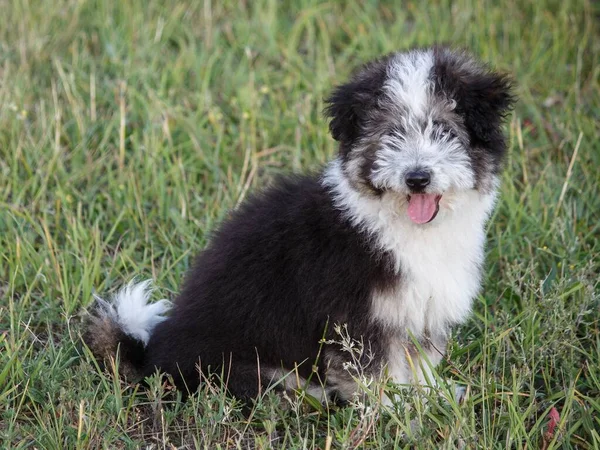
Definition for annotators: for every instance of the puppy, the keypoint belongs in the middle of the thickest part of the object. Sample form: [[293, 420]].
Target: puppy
[[386, 242]]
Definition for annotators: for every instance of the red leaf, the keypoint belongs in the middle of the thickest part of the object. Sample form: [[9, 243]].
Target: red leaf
[[553, 419], [553, 422]]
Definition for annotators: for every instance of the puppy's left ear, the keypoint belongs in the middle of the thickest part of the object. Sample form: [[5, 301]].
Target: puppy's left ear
[[483, 97], [350, 104]]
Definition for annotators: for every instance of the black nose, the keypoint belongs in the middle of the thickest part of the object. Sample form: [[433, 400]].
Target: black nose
[[418, 179]]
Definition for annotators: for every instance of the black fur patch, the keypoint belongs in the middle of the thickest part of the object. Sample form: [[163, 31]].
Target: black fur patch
[[273, 282], [349, 104], [483, 98]]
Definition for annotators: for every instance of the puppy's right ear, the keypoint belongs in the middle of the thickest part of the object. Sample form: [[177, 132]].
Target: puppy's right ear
[[350, 104]]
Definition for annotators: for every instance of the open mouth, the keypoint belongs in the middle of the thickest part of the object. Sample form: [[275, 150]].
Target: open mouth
[[422, 208]]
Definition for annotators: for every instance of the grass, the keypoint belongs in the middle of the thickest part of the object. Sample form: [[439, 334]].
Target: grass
[[129, 129]]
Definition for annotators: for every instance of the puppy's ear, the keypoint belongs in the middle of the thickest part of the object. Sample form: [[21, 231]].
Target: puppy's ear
[[350, 104], [483, 97]]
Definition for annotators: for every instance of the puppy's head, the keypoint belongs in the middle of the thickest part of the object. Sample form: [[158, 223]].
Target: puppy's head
[[423, 126]]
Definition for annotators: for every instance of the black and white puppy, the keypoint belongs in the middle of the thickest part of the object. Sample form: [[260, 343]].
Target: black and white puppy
[[388, 240]]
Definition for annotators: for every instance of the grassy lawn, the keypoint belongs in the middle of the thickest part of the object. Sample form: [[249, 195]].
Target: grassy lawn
[[129, 129]]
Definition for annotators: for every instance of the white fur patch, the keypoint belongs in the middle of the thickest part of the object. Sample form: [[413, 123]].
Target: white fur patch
[[131, 310], [408, 82], [446, 160], [440, 262]]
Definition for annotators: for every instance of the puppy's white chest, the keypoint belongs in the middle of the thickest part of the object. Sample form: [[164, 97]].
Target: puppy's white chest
[[438, 285], [439, 275]]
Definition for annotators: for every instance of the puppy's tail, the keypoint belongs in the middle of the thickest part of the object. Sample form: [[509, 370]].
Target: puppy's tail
[[124, 326]]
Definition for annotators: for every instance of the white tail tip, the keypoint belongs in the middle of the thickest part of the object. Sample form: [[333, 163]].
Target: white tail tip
[[132, 311]]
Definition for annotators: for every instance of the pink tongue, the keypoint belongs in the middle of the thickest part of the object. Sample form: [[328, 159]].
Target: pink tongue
[[422, 207]]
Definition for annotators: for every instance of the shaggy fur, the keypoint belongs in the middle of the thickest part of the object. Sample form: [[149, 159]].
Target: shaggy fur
[[387, 240]]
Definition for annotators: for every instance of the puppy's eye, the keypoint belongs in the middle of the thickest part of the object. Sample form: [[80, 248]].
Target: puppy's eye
[[443, 131], [446, 133]]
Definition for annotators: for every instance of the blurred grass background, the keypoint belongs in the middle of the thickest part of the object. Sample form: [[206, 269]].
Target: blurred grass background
[[128, 130]]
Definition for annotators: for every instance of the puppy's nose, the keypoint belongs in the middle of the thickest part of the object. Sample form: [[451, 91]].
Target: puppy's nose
[[418, 179]]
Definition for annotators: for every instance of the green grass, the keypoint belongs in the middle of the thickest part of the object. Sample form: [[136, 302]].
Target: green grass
[[129, 129]]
